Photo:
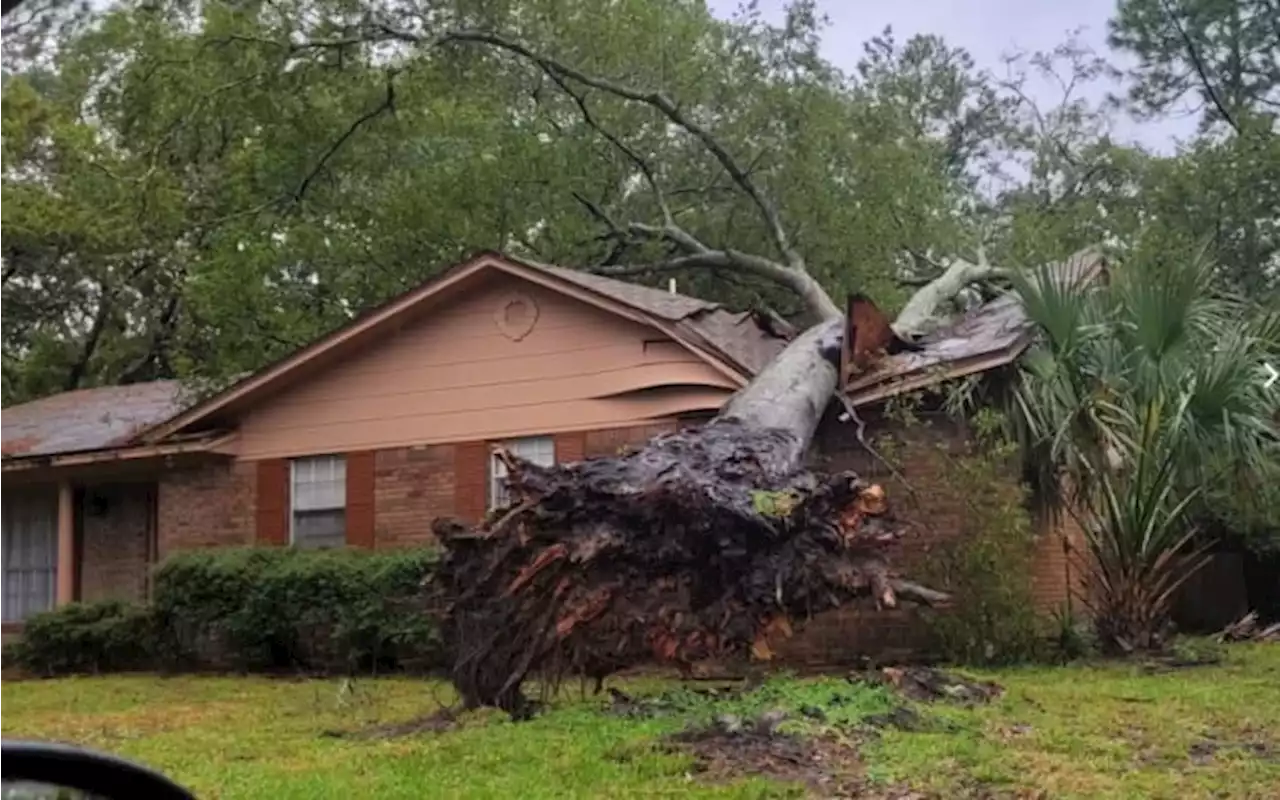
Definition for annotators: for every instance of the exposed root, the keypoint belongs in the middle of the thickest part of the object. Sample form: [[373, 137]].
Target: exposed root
[[706, 544]]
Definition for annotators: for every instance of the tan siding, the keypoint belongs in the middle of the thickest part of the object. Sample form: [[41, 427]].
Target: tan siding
[[456, 377]]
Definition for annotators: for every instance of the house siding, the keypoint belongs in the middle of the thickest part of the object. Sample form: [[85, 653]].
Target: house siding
[[465, 374]]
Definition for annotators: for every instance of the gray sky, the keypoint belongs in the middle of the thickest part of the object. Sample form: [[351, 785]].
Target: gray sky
[[988, 29]]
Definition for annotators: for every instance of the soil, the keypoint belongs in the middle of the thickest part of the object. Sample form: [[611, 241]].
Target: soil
[[827, 766], [927, 684], [442, 720]]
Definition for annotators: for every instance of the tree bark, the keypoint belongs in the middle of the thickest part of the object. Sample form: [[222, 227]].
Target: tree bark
[[919, 315]]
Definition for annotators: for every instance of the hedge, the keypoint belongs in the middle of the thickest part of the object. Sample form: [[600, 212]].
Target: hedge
[[253, 609], [84, 637]]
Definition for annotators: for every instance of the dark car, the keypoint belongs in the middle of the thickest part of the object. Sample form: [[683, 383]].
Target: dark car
[[45, 771]]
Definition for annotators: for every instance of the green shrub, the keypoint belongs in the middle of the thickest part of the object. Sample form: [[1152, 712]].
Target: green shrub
[[87, 637], [311, 610], [988, 566]]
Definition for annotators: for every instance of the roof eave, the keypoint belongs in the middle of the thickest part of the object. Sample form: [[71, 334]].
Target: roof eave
[[215, 443]]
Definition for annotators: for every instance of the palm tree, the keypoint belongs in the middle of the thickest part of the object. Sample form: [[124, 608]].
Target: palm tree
[[1144, 397]]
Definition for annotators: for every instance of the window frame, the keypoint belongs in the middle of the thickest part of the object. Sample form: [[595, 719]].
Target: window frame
[[333, 458], [20, 530], [515, 447]]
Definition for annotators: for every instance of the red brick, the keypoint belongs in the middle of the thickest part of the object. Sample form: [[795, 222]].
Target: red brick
[[936, 512], [570, 447], [612, 441], [412, 487], [114, 529], [209, 506]]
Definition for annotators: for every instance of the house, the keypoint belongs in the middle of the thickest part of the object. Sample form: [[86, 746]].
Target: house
[[366, 435]]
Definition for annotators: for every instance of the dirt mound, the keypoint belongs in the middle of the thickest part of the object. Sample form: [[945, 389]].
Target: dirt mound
[[927, 684], [828, 766]]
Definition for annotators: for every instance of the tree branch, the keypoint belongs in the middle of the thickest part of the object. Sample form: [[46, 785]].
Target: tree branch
[[654, 99], [669, 230], [387, 104], [1201, 68], [917, 316]]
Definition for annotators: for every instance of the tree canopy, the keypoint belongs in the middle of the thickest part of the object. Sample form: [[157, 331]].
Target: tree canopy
[[195, 188]]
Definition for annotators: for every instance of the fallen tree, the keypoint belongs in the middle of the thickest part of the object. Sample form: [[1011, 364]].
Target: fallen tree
[[702, 544], [705, 543]]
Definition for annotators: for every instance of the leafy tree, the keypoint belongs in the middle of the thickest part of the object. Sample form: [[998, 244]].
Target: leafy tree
[[1218, 54], [201, 187]]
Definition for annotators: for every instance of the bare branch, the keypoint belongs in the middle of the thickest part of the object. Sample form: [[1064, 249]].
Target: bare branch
[[791, 272], [917, 316], [1202, 70], [388, 104], [669, 230], [656, 100]]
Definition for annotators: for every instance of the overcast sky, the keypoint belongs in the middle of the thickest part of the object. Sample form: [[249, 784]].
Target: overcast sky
[[988, 29]]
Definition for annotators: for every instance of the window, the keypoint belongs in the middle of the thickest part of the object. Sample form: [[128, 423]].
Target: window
[[30, 545], [319, 502], [540, 450]]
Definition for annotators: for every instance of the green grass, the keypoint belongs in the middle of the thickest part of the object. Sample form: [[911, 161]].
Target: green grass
[[1110, 731]]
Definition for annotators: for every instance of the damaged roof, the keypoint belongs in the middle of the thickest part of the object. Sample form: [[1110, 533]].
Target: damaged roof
[[992, 335], [87, 419], [736, 335], [989, 336]]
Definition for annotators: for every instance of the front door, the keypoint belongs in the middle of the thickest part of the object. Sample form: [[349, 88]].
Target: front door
[[29, 530]]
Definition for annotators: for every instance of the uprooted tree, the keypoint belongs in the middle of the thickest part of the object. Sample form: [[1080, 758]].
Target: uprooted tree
[[706, 541]]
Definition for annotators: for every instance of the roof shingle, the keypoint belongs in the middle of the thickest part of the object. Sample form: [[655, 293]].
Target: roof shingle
[[87, 419]]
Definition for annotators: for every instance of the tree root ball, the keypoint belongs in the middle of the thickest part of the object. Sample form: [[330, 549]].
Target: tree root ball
[[706, 543]]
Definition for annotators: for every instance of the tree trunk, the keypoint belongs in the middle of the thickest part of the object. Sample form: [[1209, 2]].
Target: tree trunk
[[706, 543]]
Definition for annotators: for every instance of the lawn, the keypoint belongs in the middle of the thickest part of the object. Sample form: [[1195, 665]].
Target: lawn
[[1097, 732]]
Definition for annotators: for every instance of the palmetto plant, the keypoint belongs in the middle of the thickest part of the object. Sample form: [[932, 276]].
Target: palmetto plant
[[1143, 397]]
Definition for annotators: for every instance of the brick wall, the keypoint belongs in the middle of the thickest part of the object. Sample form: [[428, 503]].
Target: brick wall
[[206, 506], [611, 441], [922, 453], [214, 505], [115, 526], [412, 486]]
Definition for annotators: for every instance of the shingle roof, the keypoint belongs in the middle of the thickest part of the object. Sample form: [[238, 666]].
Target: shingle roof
[[87, 419], [734, 334]]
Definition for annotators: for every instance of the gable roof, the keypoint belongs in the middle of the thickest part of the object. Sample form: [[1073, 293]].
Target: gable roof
[[730, 342], [87, 419]]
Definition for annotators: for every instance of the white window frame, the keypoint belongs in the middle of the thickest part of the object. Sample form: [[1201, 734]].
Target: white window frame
[[310, 472], [540, 450]]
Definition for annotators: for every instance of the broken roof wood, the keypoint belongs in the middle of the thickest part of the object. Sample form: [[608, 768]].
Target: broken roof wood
[[992, 335]]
